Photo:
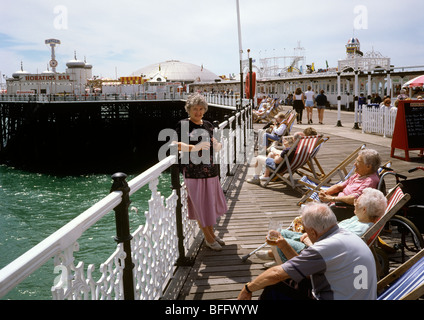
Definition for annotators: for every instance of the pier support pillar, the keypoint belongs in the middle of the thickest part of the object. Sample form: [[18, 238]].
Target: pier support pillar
[[123, 234]]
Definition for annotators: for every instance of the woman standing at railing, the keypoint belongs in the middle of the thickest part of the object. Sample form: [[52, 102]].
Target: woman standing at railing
[[206, 200]]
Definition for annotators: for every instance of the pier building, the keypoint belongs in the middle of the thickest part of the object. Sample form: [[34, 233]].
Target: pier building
[[168, 77], [73, 80], [176, 71], [368, 73], [163, 77]]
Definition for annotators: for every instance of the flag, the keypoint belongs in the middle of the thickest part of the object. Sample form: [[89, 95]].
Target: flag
[[201, 68], [326, 62], [313, 67]]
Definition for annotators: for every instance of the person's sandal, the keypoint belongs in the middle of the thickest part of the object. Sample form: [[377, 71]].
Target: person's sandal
[[263, 255], [254, 181], [215, 246], [220, 241]]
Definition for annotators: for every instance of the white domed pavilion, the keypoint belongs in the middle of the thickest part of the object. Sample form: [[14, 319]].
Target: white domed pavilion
[[176, 71]]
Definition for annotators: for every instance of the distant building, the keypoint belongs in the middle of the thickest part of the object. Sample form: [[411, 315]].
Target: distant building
[[73, 80], [175, 71], [356, 60]]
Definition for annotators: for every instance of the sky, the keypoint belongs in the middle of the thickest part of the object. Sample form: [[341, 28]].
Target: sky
[[119, 37]]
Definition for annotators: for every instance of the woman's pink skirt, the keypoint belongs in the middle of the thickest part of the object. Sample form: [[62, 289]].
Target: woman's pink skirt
[[206, 200]]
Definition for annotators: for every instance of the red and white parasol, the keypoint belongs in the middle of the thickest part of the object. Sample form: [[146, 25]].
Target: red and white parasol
[[416, 82]]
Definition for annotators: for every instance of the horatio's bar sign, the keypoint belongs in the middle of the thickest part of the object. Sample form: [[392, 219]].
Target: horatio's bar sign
[[47, 78]]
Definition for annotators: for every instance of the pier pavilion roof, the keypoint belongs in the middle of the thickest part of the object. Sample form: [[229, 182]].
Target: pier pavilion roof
[[174, 70]]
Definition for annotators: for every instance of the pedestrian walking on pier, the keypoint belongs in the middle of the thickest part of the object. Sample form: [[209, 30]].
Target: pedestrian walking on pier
[[309, 104], [206, 200], [321, 101], [299, 104]]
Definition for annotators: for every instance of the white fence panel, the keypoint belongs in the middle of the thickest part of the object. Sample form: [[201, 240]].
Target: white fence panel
[[378, 120]]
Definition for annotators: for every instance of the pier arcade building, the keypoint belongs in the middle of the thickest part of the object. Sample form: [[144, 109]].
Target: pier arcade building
[[358, 73]]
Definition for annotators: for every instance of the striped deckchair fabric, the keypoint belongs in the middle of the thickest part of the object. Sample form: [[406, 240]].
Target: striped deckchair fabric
[[404, 283], [312, 188], [396, 199], [296, 157], [310, 167]]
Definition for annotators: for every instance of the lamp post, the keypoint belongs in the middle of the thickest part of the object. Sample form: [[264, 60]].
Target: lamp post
[[369, 87], [250, 78], [240, 54], [339, 98], [355, 100]]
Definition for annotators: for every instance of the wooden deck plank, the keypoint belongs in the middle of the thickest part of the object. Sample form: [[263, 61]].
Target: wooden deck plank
[[221, 275]]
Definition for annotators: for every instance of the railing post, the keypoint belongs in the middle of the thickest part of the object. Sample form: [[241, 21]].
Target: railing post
[[227, 132], [217, 137], [123, 234], [176, 185]]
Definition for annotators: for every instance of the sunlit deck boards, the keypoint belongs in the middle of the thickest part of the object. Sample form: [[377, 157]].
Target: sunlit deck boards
[[221, 275]]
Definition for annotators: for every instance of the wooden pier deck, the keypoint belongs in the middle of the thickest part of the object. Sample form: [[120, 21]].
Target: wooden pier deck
[[221, 275]]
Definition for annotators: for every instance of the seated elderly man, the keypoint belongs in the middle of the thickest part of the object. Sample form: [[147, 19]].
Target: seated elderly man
[[366, 176], [277, 129], [338, 265], [369, 208]]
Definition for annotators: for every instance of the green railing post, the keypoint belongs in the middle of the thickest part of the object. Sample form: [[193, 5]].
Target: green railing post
[[123, 234], [176, 185]]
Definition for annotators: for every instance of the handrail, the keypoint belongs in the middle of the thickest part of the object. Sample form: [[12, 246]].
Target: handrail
[[219, 99], [150, 174]]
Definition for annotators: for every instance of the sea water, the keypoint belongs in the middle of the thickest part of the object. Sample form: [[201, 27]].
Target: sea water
[[33, 206]]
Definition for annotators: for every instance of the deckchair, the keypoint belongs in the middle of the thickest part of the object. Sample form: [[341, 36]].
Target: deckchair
[[263, 105], [273, 110], [310, 167], [290, 121], [396, 199], [290, 116], [299, 153], [312, 189], [314, 185], [404, 283]]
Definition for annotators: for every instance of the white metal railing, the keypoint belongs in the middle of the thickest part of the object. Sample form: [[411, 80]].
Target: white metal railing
[[378, 120], [154, 244], [73, 282], [219, 99], [146, 96]]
